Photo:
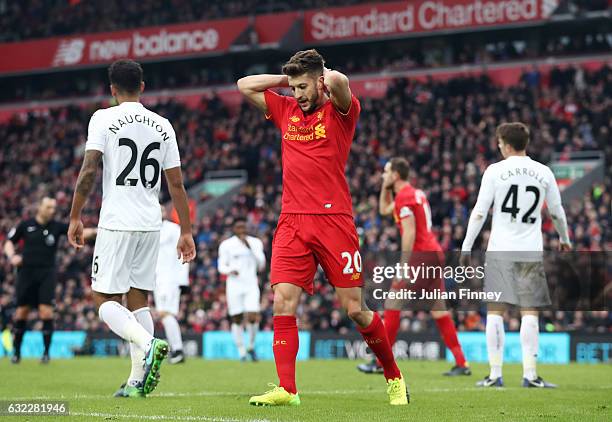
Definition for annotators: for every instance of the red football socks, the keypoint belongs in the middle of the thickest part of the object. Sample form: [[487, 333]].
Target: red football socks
[[447, 329], [285, 347], [391, 319], [376, 338]]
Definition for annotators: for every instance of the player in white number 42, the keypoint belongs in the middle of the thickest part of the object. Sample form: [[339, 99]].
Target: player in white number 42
[[516, 187], [134, 144]]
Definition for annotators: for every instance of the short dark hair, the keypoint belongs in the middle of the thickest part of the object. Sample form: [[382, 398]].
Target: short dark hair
[[306, 61], [401, 166], [515, 134], [239, 220], [126, 76]]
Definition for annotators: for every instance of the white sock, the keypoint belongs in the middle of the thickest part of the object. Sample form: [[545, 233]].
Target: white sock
[[495, 344], [252, 329], [529, 345], [143, 316], [123, 323], [238, 334], [173, 332]]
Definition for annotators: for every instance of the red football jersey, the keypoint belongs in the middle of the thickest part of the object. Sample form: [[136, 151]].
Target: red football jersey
[[315, 148], [410, 201]]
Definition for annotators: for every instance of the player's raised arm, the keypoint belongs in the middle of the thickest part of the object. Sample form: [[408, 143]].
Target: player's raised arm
[[84, 186], [337, 84], [254, 86], [480, 211], [385, 199], [557, 213]]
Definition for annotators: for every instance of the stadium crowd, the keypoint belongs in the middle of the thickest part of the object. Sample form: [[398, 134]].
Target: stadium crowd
[[28, 19], [444, 129], [380, 57]]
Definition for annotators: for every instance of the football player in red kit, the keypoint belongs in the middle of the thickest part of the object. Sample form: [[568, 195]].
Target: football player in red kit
[[412, 214], [316, 224]]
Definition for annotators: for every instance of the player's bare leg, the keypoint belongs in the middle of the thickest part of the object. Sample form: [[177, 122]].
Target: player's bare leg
[[285, 347], [529, 346], [45, 313], [252, 325], [372, 329], [495, 345], [20, 322], [238, 335]]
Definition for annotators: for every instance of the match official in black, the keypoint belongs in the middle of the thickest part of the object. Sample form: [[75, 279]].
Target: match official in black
[[36, 270]]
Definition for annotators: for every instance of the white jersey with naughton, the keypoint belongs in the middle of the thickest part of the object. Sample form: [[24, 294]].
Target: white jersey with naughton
[[234, 255], [137, 145], [170, 270], [517, 187]]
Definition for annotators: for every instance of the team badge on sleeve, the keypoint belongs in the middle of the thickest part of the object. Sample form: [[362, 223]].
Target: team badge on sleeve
[[405, 212]]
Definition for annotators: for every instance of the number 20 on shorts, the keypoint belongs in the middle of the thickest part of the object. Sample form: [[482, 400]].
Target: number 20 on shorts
[[353, 262]]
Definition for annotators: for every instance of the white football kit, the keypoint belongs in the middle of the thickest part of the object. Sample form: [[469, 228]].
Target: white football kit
[[517, 187], [242, 290], [137, 145], [171, 272]]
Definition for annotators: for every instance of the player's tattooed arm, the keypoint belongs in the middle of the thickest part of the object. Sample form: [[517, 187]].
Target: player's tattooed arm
[[337, 84], [84, 185], [254, 86], [87, 175]]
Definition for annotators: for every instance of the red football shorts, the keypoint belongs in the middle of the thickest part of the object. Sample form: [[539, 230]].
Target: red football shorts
[[303, 241]]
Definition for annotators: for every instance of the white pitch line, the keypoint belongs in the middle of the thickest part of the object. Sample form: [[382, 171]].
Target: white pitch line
[[303, 392], [163, 417]]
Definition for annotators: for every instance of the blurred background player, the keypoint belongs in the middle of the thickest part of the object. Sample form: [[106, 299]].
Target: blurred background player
[[134, 145], [36, 270], [412, 214], [316, 224], [241, 257], [517, 187], [171, 277]]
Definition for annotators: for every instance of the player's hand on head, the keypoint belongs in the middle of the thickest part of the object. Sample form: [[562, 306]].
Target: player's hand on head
[[75, 233], [186, 248], [16, 260], [387, 183]]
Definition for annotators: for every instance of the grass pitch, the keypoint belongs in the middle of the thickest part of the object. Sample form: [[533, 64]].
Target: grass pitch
[[330, 391]]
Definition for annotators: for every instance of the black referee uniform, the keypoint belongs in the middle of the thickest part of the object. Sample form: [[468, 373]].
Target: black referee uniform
[[36, 275]]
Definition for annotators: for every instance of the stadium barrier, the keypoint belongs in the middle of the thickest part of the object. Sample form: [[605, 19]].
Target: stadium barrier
[[554, 347], [591, 348], [557, 348], [220, 345]]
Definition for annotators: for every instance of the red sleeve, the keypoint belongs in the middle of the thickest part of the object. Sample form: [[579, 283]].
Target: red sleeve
[[404, 206], [349, 119], [276, 104]]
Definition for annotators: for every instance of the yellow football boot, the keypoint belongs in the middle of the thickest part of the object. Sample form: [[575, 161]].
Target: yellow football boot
[[398, 392], [277, 396]]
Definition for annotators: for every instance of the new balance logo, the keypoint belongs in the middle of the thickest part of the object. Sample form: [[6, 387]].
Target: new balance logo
[[69, 52]]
